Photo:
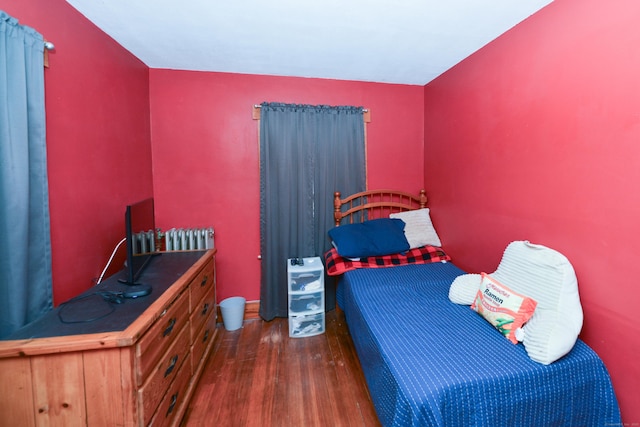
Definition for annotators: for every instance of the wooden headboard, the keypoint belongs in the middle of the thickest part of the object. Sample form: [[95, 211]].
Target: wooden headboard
[[372, 204]]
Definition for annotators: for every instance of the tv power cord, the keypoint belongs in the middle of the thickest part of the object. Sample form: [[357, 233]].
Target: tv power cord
[[111, 298]]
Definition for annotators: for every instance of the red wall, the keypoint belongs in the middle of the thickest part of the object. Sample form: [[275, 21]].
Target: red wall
[[206, 159], [98, 140], [537, 137]]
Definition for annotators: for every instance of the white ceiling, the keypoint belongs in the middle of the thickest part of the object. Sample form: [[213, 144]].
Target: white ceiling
[[392, 41]]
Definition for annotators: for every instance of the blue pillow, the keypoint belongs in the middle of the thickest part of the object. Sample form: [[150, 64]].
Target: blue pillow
[[377, 237]]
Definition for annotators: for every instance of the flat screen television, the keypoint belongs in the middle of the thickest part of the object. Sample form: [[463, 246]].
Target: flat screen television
[[140, 229]]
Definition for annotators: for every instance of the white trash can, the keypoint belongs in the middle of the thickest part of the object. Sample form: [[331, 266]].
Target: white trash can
[[232, 312]]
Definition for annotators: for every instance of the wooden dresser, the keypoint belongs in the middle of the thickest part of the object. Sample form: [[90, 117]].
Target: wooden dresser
[[90, 362]]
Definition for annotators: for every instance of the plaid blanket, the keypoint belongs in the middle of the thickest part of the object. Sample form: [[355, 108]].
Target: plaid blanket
[[336, 265]]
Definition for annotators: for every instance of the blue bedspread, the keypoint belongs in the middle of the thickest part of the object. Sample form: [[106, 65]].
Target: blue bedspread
[[429, 362]]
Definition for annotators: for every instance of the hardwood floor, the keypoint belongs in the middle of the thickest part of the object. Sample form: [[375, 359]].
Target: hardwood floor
[[258, 376]]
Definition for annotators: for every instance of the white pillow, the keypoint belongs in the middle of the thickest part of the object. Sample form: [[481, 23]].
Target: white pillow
[[418, 230], [464, 288], [548, 277]]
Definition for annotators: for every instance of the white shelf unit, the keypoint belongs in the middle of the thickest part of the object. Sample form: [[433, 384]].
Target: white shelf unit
[[306, 297]]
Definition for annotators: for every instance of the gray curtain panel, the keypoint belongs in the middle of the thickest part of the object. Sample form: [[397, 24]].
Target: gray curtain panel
[[25, 246], [306, 154]]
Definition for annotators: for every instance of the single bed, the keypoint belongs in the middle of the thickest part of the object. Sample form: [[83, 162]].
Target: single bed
[[430, 362]]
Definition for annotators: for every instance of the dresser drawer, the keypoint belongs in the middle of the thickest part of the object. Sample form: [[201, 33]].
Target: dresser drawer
[[155, 342], [203, 337], [202, 310], [201, 284], [155, 387], [170, 406]]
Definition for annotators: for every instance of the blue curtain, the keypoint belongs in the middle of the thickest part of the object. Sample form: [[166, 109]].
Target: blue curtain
[[306, 154], [25, 245]]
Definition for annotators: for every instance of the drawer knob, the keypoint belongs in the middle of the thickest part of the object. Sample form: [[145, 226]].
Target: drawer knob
[[167, 331], [206, 336], [174, 399], [205, 309], [172, 365], [204, 280]]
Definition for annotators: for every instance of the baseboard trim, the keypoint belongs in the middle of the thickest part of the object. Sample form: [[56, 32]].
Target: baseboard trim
[[251, 311]]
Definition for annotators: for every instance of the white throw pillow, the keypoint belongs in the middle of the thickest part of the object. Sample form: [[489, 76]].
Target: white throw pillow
[[548, 277], [419, 229], [464, 288]]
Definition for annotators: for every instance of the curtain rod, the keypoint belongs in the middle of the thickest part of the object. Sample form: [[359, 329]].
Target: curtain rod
[[364, 110], [48, 45]]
